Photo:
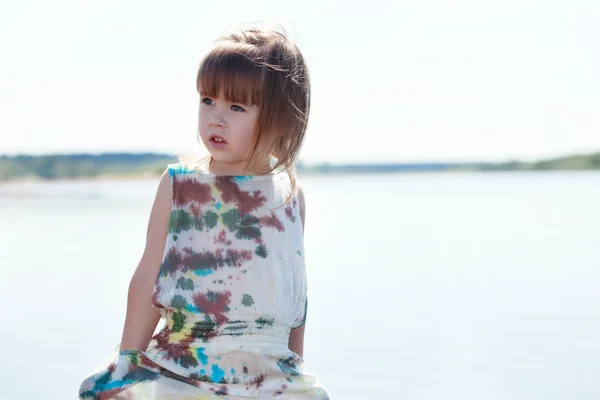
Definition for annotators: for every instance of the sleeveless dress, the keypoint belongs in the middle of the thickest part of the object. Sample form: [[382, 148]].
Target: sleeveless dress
[[231, 286]]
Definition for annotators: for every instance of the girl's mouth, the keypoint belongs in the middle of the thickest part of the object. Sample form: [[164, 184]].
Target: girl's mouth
[[217, 141]]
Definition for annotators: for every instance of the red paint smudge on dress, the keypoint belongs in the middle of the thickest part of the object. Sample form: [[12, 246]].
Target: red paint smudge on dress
[[188, 190], [231, 193], [273, 222], [216, 306]]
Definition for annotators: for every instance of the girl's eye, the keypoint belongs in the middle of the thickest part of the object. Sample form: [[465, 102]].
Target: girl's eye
[[207, 101], [237, 108]]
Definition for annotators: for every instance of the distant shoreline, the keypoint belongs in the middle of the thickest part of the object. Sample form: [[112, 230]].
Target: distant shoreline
[[129, 166], [155, 176]]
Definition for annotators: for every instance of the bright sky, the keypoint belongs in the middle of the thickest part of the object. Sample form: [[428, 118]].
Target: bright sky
[[392, 81]]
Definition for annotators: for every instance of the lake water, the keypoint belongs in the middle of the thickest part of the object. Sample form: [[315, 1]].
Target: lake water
[[421, 286]]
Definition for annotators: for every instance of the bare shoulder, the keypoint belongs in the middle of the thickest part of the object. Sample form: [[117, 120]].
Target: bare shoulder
[[302, 204], [164, 185], [163, 193], [160, 213]]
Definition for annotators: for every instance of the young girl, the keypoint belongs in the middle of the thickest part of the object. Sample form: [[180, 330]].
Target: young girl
[[224, 258]]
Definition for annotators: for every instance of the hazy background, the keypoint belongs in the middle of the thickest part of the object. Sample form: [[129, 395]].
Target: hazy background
[[423, 286]]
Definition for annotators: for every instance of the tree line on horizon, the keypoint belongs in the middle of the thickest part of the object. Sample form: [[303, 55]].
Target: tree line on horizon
[[68, 166]]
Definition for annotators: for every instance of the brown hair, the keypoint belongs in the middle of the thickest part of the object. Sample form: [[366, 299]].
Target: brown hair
[[260, 66]]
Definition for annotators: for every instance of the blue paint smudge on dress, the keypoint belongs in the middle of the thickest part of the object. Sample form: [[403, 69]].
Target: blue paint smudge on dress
[[217, 373]]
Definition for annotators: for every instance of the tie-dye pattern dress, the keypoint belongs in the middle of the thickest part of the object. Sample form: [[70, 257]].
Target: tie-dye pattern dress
[[231, 286]]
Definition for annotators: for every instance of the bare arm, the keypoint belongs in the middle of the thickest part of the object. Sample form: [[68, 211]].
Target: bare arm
[[296, 340], [141, 318]]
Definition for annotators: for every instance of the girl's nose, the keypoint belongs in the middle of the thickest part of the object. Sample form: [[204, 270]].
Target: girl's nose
[[217, 121]]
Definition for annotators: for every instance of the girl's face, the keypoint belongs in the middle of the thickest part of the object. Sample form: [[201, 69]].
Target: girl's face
[[227, 130]]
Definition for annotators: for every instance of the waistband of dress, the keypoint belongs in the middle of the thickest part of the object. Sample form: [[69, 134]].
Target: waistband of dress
[[261, 333]]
